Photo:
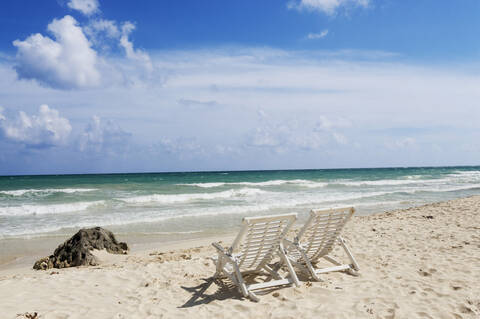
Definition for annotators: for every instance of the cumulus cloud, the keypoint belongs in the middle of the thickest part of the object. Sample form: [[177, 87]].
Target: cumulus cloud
[[282, 138], [103, 137], [328, 7], [46, 129], [328, 124], [268, 136], [87, 7], [311, 103], [180, 146], [401, 143], [101, 27], [196, 104], [291, 135], [137, 55], [320, 35], [108, 35], [331, 126], [77, 55], [103, 34], [66, 62]]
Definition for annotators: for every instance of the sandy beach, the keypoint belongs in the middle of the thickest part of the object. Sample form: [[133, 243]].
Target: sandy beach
[[421, 262]]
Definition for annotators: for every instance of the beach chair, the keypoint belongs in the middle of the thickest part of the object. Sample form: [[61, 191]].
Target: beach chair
[[317, 238], [257, 243]]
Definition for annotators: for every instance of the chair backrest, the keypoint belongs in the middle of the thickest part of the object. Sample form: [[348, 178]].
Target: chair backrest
[[259, 239], [322, 229]]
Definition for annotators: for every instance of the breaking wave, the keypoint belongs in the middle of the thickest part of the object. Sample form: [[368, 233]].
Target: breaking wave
[[21, 192]]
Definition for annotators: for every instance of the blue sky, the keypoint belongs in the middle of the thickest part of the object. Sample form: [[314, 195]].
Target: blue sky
[[91, 86]]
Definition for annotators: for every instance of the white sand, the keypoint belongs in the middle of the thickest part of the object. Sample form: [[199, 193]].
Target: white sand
[[411, 267]]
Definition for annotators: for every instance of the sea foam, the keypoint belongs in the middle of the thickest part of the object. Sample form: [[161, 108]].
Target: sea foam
[[21, 192], [299, 182], [175, 198], [47, 209], [200, 201]]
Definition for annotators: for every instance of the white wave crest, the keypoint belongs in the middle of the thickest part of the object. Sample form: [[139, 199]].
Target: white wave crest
[[443, 189], [270, 183], [47, 209], [468, 176], [204, 185], [166, 199], [383, 182], [465, 173], [20, 192], [152, 216], [300, 182]]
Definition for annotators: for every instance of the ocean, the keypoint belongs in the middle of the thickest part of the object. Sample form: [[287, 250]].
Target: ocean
[[177, 205]]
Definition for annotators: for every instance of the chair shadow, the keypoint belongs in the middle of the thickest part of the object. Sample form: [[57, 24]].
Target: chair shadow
[[199, 297], [225, 290]]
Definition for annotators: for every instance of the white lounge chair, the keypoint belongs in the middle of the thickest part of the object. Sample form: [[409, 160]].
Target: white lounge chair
[[317, 238], [257, 243]]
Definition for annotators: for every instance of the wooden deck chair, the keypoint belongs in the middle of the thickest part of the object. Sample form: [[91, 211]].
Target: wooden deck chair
[[257, 243], [317, 238]]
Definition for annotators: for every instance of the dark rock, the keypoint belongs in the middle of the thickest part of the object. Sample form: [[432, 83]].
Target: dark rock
[[28, 315], [77, 250]]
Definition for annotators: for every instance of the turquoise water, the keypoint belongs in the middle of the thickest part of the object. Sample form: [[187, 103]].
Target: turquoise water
[[207, 202]]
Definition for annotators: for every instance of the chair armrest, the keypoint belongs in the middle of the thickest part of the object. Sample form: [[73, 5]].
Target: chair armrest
[[287, 243], [292, 245], [219, 248], [222, 253]]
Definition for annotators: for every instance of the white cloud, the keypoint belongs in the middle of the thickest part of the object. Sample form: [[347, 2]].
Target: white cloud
[[328, 124], [108, 36], [86, 7], [328, 7], [180, 146], [402, 143], [46, 129], [103, 137], [330, 127], [137, 55], [301, 105], [66, 62], [293, 135], [339, 138], [78, 56], [102, 26], [267, 137], [320, 35], [197, 104]]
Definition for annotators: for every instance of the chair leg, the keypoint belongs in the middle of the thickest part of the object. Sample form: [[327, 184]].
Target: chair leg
[[314, 274], [302, 268], [219, 268], [352, 272], [291, 271], [240, 281], [273, 273], [310, 267], [253, 296], [355, 265]]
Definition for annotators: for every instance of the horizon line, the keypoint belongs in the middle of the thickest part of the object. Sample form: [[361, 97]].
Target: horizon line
[[245, 170]]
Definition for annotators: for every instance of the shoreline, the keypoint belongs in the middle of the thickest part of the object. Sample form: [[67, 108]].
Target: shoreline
[[42, 246], [420, 262], [21, 252]]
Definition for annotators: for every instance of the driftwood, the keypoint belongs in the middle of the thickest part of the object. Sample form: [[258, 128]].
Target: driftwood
[[77, 250]]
